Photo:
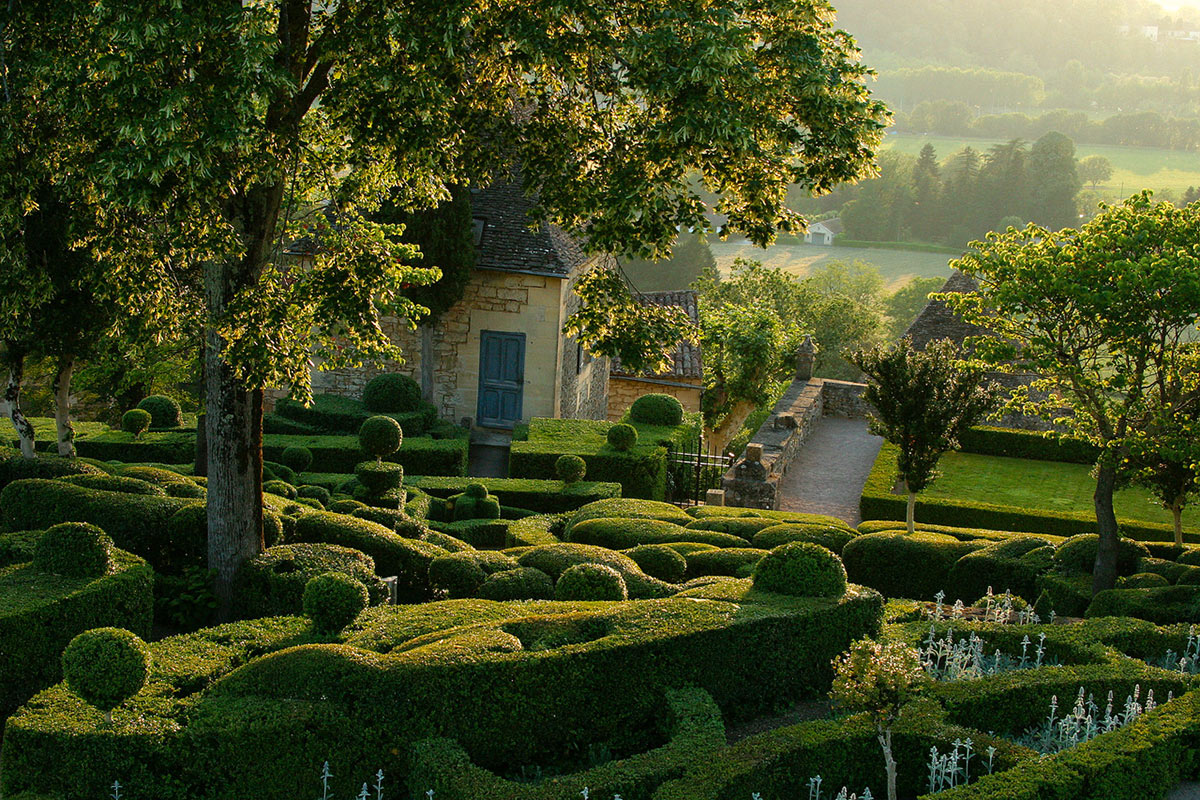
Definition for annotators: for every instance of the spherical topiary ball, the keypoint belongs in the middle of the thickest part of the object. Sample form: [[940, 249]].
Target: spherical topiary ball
[[74, 549], [801, 569], [622, 436], [380, 436], [1078, 554], [659, 561], [164, 411], [318, 493], [333, 599], [656, 409], [106, 666], [392, 393], [280, 488], [570, 469], [458, 574], [523, 583], [135, 421], [297, 458], [590, 582], [1142, 580], [476, 490]]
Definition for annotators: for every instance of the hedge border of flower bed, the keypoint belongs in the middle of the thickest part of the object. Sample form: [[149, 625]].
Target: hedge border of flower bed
[[419, 455], [542, 496]]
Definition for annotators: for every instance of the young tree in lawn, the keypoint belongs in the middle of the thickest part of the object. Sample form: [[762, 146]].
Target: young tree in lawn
[[1094, 169], [923, 401], [241, 114], [1103, 315]]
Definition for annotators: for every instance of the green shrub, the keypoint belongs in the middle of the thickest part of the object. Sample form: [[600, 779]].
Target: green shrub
[[332, 600], [1013, 443], [622, 436], [486, 533], [380, 436], [641, 471], [899, 565], [801, 569], [590, 582], [827, 536], [1163, 606], [164, 411], [280, 488], [75, 550], [156, 475], [273, 582], [186, 490], [745, 527], [447, 542], [457, 574], [1190, 557], [407, 559], [18, 547], [280, 472], [554, 559], [14, 468], [1142, 580], [115, 483], [657, 409], [659, 561], [475, 503], [1078, 554], [106, 666], [523, 583], [297, 457], [728, 512], [570, 469], [540, 496], [392, 393], [1189, 578], [1014, 565], [1167, 569], [623, 507], [621, 534], [379, 476], [318, 493], [135, 421], [722, 561], [1069, 595]]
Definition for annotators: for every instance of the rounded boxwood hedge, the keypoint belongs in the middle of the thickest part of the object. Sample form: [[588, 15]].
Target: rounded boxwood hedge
[[659, 561], [827, 536], [115, 483], [1078, 554], [1142, 580], [745, 527], [570, 469], [280, 488], [723, 561], [554, 559], [164, 411], [379, 476], [296, 457], [621, 534], [332, 600], [74, 550], [380, 436], [627, 508], [590, 582], [318, 493], [656, 409], [801, 569], [899, 565], [272, 583], [136, 421], [106, 666], [523, 583], [457, 574], [475, 503], [392, 393], [622, 436], [13, 467]]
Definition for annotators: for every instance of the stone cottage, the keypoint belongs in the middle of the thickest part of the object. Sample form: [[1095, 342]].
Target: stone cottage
[[684, 380], [498, 356]]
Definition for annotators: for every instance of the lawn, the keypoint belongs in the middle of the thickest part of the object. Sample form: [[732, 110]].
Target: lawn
[[897, 267], [1134, 168], [1050, 485]]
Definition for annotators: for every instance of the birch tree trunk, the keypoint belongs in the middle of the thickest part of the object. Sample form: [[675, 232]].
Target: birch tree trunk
[[12, 399], [1177, 515], [1105, 574], [62, 406], [910, 515]]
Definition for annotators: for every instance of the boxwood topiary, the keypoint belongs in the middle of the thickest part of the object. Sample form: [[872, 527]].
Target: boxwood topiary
[[621, 534], [628, 508], [899, 565], [523, 583], [297, 457], [1142, 580], [380, 436], [1078, 554], [554, 559], [622, 436], [75, 550], [13, 467], [379, 476], [745, 527], [590, 582], [475, 503], [164, 411], [730, 562], [280, 488], [272, 583], [392, 393], [106, 666], [136, 421], [570, 469], [801, 569], [659, 561], [656, 409], [332, 600], [827, 536], [457, 574], [282, 472], [318, 493], [115, 483]]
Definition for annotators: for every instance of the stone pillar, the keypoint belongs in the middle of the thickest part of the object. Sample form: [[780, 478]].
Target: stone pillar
[[806, 355]]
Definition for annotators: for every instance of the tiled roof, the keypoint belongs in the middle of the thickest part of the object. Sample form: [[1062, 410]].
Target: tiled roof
[[508, 243], [937, 321], [686, 362], [834, 225]]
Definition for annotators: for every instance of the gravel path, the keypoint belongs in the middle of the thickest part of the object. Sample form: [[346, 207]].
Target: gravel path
[[1189, 790], [828, 474]]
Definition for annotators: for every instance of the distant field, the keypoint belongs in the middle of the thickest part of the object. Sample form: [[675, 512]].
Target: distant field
[[1134, 168], [896, 266]]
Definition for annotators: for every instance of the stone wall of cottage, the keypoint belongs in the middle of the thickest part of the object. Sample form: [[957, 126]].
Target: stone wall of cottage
[[623, 391], [583, 377]]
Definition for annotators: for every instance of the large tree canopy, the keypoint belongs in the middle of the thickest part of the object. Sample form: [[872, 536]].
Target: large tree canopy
[[231, 119]]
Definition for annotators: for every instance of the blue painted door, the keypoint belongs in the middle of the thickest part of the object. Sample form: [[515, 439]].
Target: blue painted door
[[501, 378]]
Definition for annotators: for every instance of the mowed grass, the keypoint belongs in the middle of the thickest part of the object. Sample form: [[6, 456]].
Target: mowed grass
[[1049, 485], [1134, 168], [897, 267]]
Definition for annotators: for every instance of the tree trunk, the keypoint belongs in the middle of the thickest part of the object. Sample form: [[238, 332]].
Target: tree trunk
[[200, 467], [910, 514], [720, 436], [12, 398], [1177, 514], [233, 431], [889, 762], [1105, 574], [62, 406]]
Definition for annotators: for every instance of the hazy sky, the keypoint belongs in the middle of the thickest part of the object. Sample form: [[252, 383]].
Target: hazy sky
[[1174, 4]]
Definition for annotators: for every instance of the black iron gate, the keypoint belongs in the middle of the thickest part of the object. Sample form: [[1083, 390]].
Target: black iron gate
[[692, 470]]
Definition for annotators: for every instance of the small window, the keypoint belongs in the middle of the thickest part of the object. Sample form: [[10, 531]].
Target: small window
[[478, 223], [578, 358]]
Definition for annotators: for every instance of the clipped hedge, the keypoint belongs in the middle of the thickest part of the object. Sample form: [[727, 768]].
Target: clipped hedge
[[14, 468], [735, 563], [336, 414], [272, 583], [828, 536], [721, 512], [899, 565], [1163, 605], [641, 471], [555, 559], [627, 508], [542, 496], [621, 534], [41, 612], [1013, 443], [418, 455]]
